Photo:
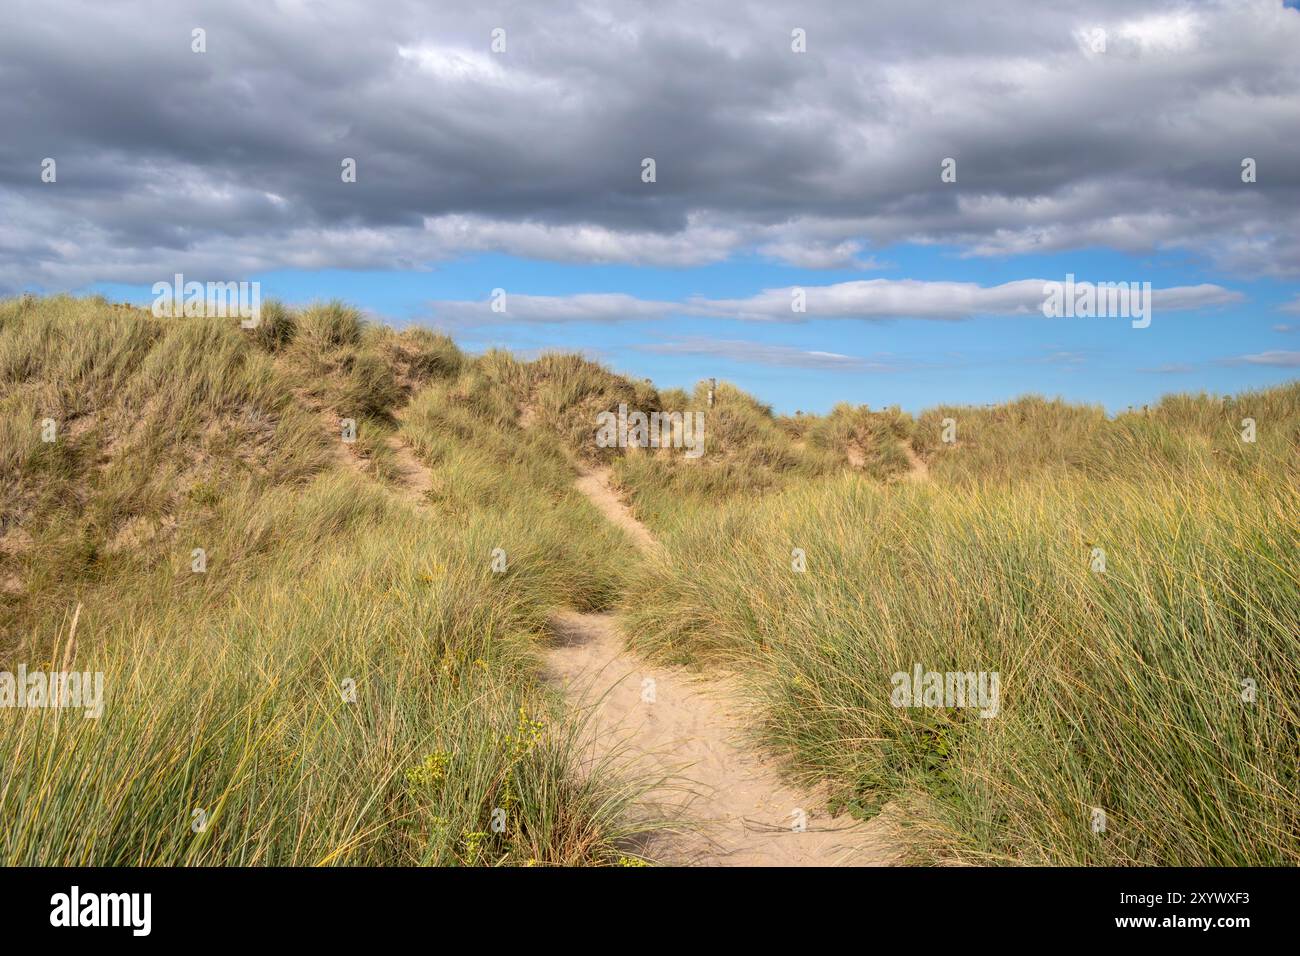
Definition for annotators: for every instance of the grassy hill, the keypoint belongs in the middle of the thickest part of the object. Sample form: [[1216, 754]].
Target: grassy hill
[[225, 689]]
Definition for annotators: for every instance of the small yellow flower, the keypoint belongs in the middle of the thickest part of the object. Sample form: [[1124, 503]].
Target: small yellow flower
[[435, 572], [472, 843], [429, 773]]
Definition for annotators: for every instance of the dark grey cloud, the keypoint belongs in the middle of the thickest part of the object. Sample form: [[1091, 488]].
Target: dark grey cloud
[[227, 162]]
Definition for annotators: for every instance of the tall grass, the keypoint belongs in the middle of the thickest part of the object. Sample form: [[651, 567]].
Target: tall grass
[[226, 702], [1121, 690], [1182, 433], [237, 710]]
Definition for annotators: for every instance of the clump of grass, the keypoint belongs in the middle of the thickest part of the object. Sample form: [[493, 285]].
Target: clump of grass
[[323, 328], [141, 411], [426, 354], [748, 452], [276, 328], [862, 438], [1184, 434], [370, 387]]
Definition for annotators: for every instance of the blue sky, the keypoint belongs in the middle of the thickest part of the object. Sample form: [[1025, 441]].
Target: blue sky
[[795, 145], [977, 360]]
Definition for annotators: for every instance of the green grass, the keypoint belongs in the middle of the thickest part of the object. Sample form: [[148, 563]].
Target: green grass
[[225, 689], [1183, 434], [1120, 690], [233, 705]]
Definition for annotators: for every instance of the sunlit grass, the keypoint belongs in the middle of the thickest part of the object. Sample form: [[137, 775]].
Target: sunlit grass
[[285, 706], [1121, 690]]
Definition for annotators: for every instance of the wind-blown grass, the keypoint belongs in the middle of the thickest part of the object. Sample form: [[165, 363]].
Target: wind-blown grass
[[1121, 690], [228, 691]]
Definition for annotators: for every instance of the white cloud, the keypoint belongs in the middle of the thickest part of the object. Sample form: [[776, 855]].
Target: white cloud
[[865, 299], [1277, 358], [763, 353], [696, 244], [600, 308], [921, 299]]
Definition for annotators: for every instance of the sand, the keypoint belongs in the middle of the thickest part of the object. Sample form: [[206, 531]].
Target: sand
[[724, 801]]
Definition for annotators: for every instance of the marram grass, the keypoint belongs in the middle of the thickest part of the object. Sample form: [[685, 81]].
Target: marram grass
[[349, 683], [1124, 691]]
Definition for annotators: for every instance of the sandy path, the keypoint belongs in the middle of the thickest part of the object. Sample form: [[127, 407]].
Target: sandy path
[[595, 485], [413, 475], [724, 803], [918, 470], [668, 722]]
